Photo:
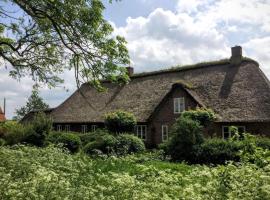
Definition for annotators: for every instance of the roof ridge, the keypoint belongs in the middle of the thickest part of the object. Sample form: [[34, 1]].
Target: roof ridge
[[178, 68]]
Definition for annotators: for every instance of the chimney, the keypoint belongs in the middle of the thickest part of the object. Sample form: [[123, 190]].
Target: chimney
[[236, 56], [130, 71]]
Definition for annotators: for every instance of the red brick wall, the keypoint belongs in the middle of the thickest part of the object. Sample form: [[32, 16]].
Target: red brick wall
[[164, 115]]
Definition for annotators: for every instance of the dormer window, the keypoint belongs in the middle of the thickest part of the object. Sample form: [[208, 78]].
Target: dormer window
[[179, 105]]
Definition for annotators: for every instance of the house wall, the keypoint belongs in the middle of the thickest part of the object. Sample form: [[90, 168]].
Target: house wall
[[164, 115], [256, 128], [77, 127]]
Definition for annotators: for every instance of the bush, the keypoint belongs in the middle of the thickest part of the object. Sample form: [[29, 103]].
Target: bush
[[263, 142], [218, 151], [128, 144], [13, 132], [2, 142], [186, 136], [92, 136], [120, 122], [104, 143], [41, 127], [120, 145], [201, 115], [70, 141]]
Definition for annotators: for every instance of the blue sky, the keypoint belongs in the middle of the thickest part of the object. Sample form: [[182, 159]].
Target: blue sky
[[162, 33]]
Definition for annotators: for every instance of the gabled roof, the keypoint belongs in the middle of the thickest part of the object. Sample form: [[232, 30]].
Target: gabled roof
[[236, 93]]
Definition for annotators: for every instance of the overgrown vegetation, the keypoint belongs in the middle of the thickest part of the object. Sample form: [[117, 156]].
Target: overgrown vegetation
[[120, 122], [51, 173]]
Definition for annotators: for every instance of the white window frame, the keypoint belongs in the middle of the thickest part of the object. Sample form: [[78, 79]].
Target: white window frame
[[141, 131], [164, 133], [230, 135], [67, 128], [84, 128], [179, 105], [59, 128], [93, 128]]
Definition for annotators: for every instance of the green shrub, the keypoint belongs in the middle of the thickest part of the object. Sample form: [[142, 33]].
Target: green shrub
[[263, 142], [71, 141], [120, 145], [41, 127], [218, 151], [91, 136], [128, 144], [201, 115], [120, 122], [104, 143], [186, 136], [13, 132], [2, 142]]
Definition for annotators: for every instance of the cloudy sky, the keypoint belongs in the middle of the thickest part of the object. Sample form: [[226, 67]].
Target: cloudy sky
[[162, 33]]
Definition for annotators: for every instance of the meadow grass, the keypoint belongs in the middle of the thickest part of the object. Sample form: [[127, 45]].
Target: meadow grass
[[51, 173]]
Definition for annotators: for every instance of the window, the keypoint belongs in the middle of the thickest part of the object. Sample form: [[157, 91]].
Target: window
[[67, 128], [164, 132], [141, 131], [84, 128], [179, 105], [59, 128], [226, 133], [93, 128]]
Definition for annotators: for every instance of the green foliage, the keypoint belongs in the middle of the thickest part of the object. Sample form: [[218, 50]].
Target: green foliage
[[34, 102], [2, 142], [71, 141], [120, 121], [49, 173], [263, 142], [105, 144], [50, 36], [218, 151], [41, 126], [128, 144], [92, 136], [201, 115], [114, 145], [186, 136], [13, 132]]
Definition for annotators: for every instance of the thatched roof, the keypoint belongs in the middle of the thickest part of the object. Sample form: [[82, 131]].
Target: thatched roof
[[236, 93]]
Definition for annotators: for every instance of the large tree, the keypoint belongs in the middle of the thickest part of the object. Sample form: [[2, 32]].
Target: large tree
[[34, 102], [44, 37]]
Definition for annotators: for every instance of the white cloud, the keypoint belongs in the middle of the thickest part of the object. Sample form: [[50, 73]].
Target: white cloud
[[259, 49], [166, 38], [199, 30]]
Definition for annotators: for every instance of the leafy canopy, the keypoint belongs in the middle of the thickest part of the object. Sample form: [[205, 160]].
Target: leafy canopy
[[34, 102], [44, 37]]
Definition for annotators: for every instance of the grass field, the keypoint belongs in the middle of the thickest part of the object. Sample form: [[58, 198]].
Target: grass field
[[50, 173]]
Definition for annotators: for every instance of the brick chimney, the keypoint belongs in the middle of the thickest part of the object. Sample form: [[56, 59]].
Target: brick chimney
[[130, 71], [236, 56], [2, 116]]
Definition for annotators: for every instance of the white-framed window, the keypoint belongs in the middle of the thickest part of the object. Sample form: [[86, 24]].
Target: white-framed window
[[93, 128], [179, 105], [59, 128], [84, 128], [164, 133], [226, 132], [67, 128], [141, 131]]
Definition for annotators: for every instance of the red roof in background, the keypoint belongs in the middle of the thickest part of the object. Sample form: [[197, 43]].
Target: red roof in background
[[2, 116]]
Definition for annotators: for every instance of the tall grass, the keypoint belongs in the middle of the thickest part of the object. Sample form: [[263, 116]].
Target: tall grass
[[51, 173]]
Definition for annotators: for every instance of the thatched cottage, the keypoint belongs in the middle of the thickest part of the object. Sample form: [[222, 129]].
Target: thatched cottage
[[235, 89]]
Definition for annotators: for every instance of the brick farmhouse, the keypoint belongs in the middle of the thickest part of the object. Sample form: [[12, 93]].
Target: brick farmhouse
[[235, 89]]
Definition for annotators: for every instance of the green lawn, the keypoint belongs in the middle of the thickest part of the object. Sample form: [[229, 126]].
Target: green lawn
[[50, 173]]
